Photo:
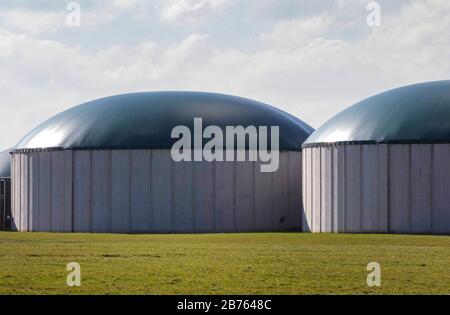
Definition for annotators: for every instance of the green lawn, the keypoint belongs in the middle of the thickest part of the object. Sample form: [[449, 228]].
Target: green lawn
[[268, 263]]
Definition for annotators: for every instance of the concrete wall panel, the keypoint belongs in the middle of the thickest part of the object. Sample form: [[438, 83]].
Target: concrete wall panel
[[264, 217], [369, 168], [306, 190], [120, 191], [34, 191], [294, 184], [161, 187], [421, 188], [339, 189], [245, 198], [45, 177], [81, 191], [57, 194], [399, 193], [143, 191], [387, 188], [140, 201], [68, 188], [101, 191], [13, 193], [15, 186], [383, 188], [224, 207], [24, 192], [204, 196], [441, 189], [15, 205], [183, 197], [353, 186], [326, 188], [316, 190], [16, 181], [282, 218], [310, 183]]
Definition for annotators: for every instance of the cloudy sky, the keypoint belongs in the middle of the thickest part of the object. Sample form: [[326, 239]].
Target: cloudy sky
[[311, 58]]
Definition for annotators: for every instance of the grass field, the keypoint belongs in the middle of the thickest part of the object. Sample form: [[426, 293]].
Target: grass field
[[268, 263]]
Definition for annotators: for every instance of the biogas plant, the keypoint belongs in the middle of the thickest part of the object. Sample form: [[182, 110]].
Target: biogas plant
[[191, 162], [125, 164]]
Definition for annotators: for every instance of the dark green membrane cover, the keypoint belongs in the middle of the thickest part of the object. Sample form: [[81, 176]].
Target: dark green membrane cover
[[418, 113], [145, 121]]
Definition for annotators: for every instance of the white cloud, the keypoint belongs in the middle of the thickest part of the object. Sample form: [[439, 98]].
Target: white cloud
[[126, 4], [176, 10], [37, 22], [32, 22], [296, 32]]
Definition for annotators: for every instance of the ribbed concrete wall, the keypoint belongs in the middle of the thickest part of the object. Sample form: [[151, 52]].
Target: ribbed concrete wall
[[395, 188], [144, 191], [5, 203]]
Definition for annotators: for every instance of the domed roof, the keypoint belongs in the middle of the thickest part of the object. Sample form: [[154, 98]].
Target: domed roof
[[418, 113], [145, 121], [5, 164]]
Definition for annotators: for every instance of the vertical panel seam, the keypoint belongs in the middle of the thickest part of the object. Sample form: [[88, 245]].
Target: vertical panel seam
[[289, 188], [50, 190], [109, 185], [311, 189], [20, 192], [214, 195], [28, 191], [320, 190], [272, 215], [194, 167], [38, 189], [254, 195], [71, 191], [91, 219], [409, 190], [236, 216], [431, 187], [300, 210], [171, 194], [344, 149], [361, 190], [332, 188], [150, 177], [129, 189], [377, 207], [388, 174]]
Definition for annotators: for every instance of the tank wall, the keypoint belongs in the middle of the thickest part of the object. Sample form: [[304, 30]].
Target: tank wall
[[395, 188], [144, 191]]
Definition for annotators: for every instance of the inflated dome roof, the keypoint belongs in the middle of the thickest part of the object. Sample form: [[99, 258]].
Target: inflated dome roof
[[145, 121], [5, 164], [418, 113]]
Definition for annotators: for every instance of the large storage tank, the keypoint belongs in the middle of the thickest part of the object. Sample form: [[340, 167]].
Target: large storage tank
[[382, 165], [5, 191], [106, 166]]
